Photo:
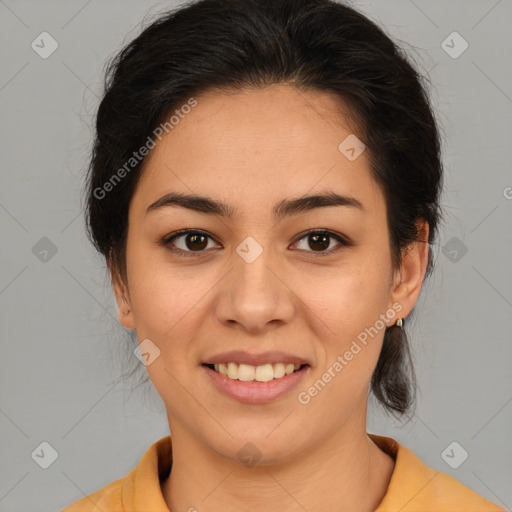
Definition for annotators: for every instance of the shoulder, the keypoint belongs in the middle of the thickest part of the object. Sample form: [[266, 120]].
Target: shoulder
[[108, 498], [415, 487], [139, 490]]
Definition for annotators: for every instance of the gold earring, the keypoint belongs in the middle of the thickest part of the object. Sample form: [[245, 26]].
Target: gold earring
[[399, 323]]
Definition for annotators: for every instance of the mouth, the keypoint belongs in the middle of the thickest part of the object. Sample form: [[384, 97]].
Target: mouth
[[250, 373], [260, 384]]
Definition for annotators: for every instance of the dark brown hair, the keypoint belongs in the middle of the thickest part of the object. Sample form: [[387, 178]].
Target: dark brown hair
[[311, 44]]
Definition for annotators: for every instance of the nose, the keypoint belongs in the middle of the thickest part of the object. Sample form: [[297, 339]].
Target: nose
[[255, 294]]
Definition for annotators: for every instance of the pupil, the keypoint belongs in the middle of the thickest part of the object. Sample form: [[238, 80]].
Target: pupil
[[195, 239], [324, 240]]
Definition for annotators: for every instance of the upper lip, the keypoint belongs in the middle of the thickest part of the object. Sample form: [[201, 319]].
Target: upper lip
[[242, 357]]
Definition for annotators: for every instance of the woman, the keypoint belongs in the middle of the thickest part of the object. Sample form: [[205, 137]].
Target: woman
[[265, 188]]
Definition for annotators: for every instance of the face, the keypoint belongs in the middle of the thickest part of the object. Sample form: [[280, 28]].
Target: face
[[266, 280]]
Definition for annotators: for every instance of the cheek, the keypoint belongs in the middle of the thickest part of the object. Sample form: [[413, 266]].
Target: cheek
[[350, 302], [351, 306], [350, 297], [165, 304], [162, 295]]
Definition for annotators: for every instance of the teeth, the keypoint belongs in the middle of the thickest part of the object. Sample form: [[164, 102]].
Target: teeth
[[262, 373], [246, 372], [233, 371], [279, 370]]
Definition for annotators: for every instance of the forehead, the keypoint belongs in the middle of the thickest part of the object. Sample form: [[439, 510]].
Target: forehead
[[256, 146]]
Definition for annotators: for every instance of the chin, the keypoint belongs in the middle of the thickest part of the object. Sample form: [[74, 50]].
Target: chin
[[257, 447]]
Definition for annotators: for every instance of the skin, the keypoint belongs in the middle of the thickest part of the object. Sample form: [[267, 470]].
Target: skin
[[252, 149]]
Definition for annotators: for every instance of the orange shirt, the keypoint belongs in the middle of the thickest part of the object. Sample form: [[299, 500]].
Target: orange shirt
[[414, 487]]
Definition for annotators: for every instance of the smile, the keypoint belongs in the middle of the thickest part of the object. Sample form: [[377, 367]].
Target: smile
[[255, 384], [261, 373]]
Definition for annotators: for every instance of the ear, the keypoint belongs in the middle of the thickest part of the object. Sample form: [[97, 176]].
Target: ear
[[408, 279], [124, 307]]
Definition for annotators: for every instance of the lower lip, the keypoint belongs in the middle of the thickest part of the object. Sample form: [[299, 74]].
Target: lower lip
[[256, 392]]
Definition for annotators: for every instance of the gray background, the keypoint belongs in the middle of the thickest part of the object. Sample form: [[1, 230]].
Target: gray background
[[62, 349]]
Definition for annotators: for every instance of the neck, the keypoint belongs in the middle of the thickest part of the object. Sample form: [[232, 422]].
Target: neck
[[347, 472]]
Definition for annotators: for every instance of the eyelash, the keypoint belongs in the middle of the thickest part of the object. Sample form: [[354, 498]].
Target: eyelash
[[167, 242]]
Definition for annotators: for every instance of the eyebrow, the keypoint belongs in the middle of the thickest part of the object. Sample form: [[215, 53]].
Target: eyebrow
[[284, 208]]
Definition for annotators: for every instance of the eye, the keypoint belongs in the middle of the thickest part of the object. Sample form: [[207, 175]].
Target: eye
[[193, 241], [320, 240]]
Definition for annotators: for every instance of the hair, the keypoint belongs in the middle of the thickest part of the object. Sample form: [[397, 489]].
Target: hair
[[314, 45]]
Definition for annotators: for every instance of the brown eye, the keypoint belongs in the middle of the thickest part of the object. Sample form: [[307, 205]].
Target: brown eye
[[187, 242], [194, 242], [320, 242]]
